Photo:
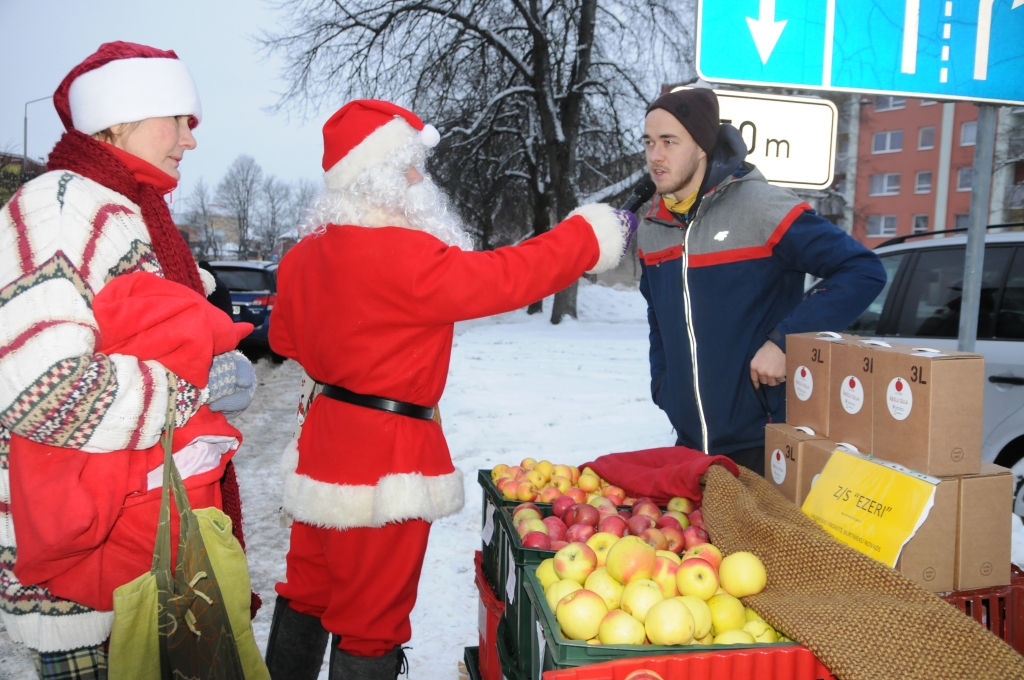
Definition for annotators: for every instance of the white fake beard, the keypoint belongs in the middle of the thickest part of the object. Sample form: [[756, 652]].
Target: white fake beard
[[381, 196]]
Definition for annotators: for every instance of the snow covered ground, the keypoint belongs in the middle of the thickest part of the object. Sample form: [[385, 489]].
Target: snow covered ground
[[518, 387]]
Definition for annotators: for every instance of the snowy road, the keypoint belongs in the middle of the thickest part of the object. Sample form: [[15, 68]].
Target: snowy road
[[518, 387]]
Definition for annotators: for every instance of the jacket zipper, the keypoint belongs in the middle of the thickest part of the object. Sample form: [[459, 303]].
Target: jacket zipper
[[689, 325]]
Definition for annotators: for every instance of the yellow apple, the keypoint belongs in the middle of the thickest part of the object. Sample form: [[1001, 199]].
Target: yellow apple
[[683, 505], [706, 552], [509, 489], [743, 574], [631, 559], [665, 576], [734, 637], [544, 468], [575, 472], [497, 471], [751, 615], [604, 585], [726, 613], [589, 483], [527, 492], [524, 514], [761, 631], [668, 554], [531, 524], [619, 628], [601, 543], [700, 612], [576, 561], [580, 614], [546, 573], [696, 577], [559, 589], [669, 622], [536, 478], [639, 596], [528, 463], [708, 639], [561, 483], [561, 471]]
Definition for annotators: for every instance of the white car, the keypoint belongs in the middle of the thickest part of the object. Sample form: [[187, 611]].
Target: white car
[[921, 300]]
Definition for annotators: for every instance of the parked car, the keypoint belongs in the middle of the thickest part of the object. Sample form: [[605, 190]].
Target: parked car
[[921, 300], [253, 287]]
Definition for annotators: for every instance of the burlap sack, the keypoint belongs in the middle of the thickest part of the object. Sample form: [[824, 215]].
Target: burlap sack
[[863, 620]]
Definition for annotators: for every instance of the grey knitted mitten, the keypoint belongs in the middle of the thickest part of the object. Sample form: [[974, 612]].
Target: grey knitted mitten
[[232, 382]]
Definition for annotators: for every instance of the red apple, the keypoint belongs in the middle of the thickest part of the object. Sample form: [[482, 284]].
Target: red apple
[[549, 495], [675, 538], [615, 494], [556, 528], [579, 533], [647, 509], [707, 552], [696, 517], [642, 499], [679, 517], [613, 524], [536, 539], [694, 535], [639, 523], [584, 513], [668, 521], [625, 514], [561, 504], [558, 545], [654, 538]]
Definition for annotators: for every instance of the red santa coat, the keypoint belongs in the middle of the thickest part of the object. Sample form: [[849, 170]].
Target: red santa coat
[[373, 310]]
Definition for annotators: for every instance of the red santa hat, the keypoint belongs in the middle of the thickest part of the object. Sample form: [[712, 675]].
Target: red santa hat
[[363, 131], [124, 82]]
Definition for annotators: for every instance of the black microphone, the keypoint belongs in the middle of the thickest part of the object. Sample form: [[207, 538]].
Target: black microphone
[[642, 193]]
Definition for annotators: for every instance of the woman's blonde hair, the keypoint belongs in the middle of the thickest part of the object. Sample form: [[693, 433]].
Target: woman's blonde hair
[[107, 135]]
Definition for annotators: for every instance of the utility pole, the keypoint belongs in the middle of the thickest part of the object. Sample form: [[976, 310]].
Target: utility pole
[[24, 140]]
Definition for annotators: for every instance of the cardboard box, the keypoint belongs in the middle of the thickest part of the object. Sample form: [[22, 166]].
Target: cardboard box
[[983, 535], [793, 457], [927, 409], [850, 410], [808, 378], [928, 558]]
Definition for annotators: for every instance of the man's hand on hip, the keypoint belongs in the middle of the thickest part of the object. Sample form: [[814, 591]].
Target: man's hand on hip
[[768, 366]]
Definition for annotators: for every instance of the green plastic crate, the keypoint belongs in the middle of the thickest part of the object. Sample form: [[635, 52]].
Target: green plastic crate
[[471, 658]]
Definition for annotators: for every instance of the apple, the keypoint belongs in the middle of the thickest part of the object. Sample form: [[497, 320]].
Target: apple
[[520, 516], [751, 615], [698, 578], [694, 535], [708, 639], [526, 491], [497, 471], [639, 596], [619, 628], [706, 552], [559, 589], [604, 507], [743, 574], [643, 674], [580, 614], [579, 533], [575, 561], [556, 528], [642, 499], [590, 471], [683, 505], [614, 494], [561, 483], [669, 622], [536, 478], [600, 543], [561, 504], [583, 513], [528, 463], [630, 559], [515, 471], [549, 494], [665, 576], [604, 585], [701, 615], [525, 506], [558, 545], [625, 514], [669, 555], [613, 524], [546, 573], [696, 517], [528, 525], [509, 489], [726, 613], [562, 471], [537, 541], [654, 538], [544, 468], [649, 509], [734, 637], [675, 539], [679, 517], [761, 631], [588, 483], [668, 521], [639, 524], [575, 473]]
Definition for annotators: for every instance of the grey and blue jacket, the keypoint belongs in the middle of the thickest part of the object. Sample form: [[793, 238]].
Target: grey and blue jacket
[[728, 276]]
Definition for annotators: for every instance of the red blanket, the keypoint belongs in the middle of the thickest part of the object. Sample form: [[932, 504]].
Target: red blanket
[[659, 473]]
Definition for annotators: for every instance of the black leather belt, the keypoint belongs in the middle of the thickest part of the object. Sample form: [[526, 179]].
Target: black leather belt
[[402, 408]]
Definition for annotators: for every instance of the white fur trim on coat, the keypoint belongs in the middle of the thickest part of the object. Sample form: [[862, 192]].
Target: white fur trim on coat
[[610, 233], [209, 282], [369, 152], [395, 498], [129, 90]]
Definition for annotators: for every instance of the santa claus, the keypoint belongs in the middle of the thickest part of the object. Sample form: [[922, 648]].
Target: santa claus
[[367, 302]]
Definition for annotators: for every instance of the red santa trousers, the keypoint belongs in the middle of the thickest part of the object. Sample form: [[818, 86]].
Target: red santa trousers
[[361, 582]]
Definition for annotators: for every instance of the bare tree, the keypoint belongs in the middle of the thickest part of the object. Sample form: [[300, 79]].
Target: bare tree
[[239, 193], [274, 215], [527, 93], [304, 192], [200, 213]]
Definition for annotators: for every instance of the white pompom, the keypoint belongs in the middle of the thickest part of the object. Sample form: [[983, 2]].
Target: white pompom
[[430, 136]]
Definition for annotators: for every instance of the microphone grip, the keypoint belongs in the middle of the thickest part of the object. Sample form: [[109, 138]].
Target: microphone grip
[[641, 194]]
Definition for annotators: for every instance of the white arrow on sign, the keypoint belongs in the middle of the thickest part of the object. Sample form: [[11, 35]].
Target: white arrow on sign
[[765, 30], [981, 43]]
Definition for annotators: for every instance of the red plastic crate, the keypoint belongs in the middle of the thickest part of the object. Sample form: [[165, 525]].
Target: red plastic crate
[[1000, 609], [777, 663], [491, 610]]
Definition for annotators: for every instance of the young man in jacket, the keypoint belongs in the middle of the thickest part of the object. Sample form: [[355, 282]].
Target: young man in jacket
[[723, 258]]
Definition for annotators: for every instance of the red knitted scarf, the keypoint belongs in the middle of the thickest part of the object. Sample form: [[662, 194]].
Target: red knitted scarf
[[95, 160]]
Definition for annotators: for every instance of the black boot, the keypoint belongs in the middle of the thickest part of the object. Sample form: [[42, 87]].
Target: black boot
[[297, 643], [345, 666]]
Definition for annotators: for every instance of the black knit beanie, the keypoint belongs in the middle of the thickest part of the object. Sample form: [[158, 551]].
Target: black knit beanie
[[697, 109]]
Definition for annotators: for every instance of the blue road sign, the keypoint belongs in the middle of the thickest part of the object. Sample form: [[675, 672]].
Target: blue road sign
[[943, 49]]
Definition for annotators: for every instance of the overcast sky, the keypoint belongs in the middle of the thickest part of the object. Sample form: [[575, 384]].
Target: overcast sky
[[41, 40]]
